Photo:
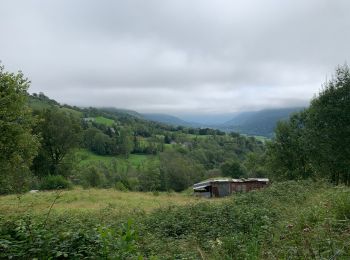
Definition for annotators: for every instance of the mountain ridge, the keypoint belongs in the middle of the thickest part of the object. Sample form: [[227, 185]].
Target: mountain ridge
[[256, 123], [262, 122]]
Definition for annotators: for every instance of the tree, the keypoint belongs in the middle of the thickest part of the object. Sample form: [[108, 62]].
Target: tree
[[93, 177], [167, 139], [288, 157], [60, 134], [316, 141], [328, 128], [178, 172], [18, 145], [125, 142], [89, 136], [103, 144], [255, 164], [149, 176], [233, 169]]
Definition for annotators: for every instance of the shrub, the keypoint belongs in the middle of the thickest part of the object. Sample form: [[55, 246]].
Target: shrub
[[133, 183], [118, 244], [53, 182], [26, 237], [120, 186], [93, 178]]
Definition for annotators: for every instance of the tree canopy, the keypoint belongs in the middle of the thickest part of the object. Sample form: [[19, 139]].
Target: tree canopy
[[18, 145], [60, 133], [316, 142]]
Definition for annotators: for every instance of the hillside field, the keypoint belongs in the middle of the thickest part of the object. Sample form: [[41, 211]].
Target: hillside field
[[104, 121], [86, 157]]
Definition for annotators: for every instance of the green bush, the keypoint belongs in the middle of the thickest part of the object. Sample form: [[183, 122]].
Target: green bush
[[93, 177], [28, 237], [120, 186], [54, 182], [118, 244]]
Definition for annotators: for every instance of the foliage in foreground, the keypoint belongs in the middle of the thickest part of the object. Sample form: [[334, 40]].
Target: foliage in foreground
[[27, 238], [287, 220]]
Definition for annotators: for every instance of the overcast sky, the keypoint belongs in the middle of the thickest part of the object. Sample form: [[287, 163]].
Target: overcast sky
[[176, 56]]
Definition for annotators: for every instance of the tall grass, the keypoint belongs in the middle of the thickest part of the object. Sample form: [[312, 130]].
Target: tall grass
[[290, 220]]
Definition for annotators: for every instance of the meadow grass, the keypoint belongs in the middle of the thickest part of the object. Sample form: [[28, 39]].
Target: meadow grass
[[261, 138], [289, 220], [91, 200], [257, 137], [87, 157], [104, 121]]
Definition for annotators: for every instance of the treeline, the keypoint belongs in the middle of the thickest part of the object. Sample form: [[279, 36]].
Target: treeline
[[315, 143], [39, 147], [177, 168], [187, 159]]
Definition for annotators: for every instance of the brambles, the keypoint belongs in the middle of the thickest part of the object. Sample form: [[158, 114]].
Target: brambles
[[54, 182], [287, 220]]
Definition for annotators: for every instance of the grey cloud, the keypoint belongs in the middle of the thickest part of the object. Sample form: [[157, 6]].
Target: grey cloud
[[196, 56]]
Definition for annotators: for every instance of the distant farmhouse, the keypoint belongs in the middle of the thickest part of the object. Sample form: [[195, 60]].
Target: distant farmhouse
[[226, 186]]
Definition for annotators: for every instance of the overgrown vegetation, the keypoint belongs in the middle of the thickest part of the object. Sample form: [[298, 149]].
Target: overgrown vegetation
[[287, 220]]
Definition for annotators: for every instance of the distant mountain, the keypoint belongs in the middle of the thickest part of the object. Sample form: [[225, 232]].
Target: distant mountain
[[207, 119], [261, 122], [168, 119]]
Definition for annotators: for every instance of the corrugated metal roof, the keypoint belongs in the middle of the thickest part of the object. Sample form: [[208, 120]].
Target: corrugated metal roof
[[201, 187], [259, 179], [208, 182]]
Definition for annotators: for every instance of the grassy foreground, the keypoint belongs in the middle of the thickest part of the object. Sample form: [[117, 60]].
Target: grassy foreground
[[91, 201], [290, 220]]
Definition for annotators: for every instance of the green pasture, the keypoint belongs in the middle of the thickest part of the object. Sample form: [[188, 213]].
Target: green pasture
[[86, 157], [104, 121]]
